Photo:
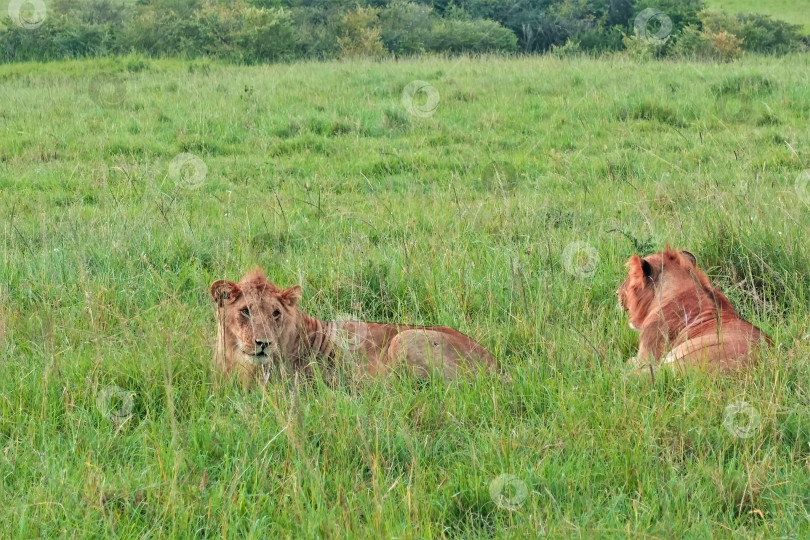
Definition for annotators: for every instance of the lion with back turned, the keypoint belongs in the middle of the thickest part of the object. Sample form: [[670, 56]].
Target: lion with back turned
[[682, 319]]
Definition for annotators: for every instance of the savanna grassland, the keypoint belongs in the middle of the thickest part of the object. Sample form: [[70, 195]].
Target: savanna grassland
[[113, 424]]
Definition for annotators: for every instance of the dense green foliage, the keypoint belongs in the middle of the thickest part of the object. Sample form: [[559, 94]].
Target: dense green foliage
[[795, 11], [317, 172], [721, 36], [252, 31]]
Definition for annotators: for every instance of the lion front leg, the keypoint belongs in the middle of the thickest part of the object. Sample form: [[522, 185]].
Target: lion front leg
[[650, 347]]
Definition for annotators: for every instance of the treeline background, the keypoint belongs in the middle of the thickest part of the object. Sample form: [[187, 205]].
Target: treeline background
[[253, 31]]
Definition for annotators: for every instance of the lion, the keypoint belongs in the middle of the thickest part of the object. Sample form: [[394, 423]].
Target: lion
[[261, 325], [683, 321]]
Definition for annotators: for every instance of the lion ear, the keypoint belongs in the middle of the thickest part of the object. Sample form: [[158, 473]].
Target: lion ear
[[689, 256], [292, 295], [640, 270], [225, 292]]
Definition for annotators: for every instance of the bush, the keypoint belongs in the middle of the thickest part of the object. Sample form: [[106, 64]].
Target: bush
[[571, 49], [471, 36], [682, 13], [94, 12], [317, 33], [759, 33], [602, 40], [713, 22], [692, 44], [720, 46], [58, 37], [727, 45], [234, 31], [638, 49], [71, 29], [567, 21], [360, 33], [406, 27], [725, 37], [162, 28], [762, 34], [266, 34]]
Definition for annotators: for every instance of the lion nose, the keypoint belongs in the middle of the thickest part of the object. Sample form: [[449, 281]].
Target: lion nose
[[262, 344]]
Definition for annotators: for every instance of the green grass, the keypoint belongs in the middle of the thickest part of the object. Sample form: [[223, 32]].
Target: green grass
[[318, 173], [793, 11]]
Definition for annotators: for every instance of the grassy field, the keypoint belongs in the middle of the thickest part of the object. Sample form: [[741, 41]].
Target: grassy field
[[453, 208], [794, 11]]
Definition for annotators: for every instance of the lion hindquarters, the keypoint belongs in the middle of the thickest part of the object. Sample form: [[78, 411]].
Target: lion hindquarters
[[716, 352], [427, 351]]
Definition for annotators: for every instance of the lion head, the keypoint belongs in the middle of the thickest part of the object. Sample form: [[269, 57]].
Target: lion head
[[258, 322], [649, 277]]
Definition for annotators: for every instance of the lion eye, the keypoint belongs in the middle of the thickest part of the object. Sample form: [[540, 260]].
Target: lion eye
[[276, 314], [245, 312]]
